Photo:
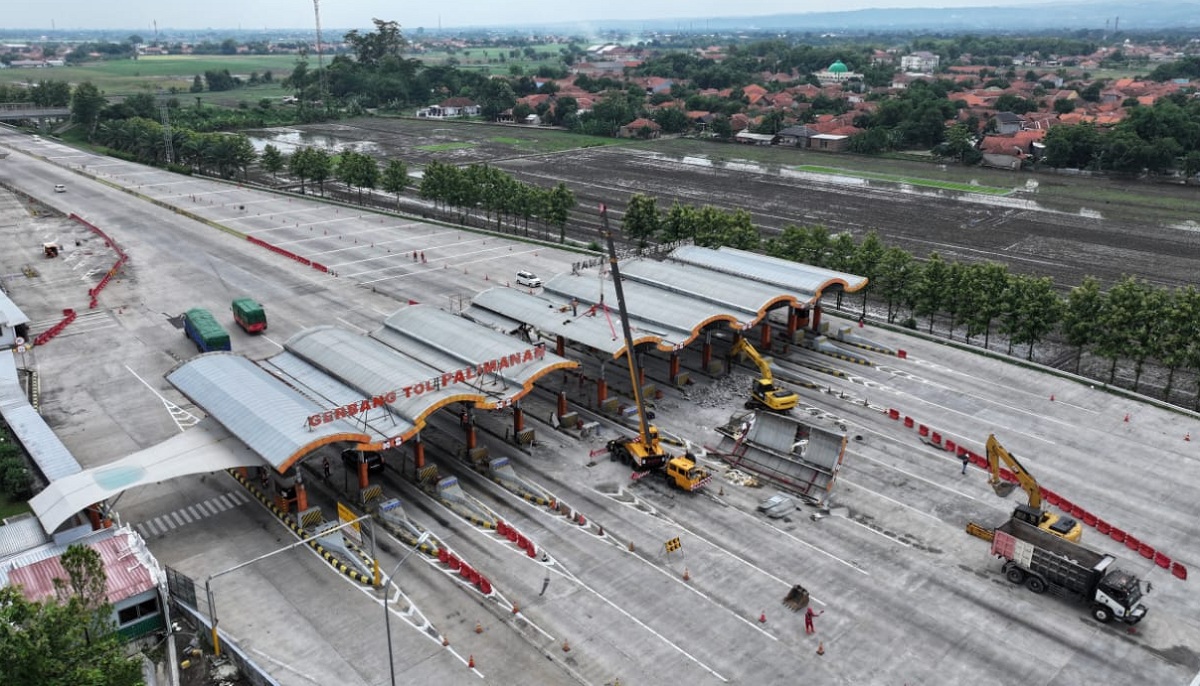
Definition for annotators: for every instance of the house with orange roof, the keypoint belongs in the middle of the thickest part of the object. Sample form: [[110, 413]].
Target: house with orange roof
[[640, 128]]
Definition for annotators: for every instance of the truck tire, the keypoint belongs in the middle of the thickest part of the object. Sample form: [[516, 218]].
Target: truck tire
[[1036, 584], [1015, 574], [1102, 613]]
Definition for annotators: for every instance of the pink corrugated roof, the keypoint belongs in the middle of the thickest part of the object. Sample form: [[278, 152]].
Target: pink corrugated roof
[[127, 575]]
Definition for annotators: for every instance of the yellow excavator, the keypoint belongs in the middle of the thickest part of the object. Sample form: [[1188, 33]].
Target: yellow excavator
[[1061, 526], [645, 451], [763, 391]]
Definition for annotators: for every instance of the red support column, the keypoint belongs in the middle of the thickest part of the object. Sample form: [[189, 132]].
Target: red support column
[[93, 514], [471, 437], [560, 346], [816, 316], [765, 341], [418, 453], [793, 323], [301, 494], [562, 403], [641, 375], [362, 474], [519, 419], [674, 366], [601, 390], [802, 315], [706, 353]]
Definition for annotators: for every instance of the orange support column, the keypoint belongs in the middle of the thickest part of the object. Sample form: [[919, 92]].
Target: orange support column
[[301, 494], [519, 418], [601, 390], [793, 323], [706, 352], [560, 346], [674, 366], [765, 341], [418, 452], [641, 373], [471, 438], [802, 315], [362, 473], [816, 316], [562, 403]]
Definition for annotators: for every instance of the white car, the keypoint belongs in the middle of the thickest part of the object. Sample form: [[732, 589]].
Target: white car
[[528, 279], [59, 188]]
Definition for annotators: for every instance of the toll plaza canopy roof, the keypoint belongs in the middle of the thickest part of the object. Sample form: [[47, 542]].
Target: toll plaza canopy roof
[[52, 458], [670, 302], [331, 385]]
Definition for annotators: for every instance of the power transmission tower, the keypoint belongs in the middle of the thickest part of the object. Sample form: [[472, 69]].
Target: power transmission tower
[[169, 146], [320, 54]]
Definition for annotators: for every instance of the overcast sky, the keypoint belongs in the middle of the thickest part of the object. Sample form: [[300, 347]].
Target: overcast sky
[[140, 15]]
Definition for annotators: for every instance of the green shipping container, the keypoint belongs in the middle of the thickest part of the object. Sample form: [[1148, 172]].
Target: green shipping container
[[204, 330], [249, 315]]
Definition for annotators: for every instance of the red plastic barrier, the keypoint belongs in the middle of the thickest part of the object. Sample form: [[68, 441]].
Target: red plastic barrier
[[511, 533], [1162, 560], [923, 430], [1103, 527], [962, 450], [1051, 497], [977, 459], [1007, 475], [522, 542], [951, 445], [531, 550], [1132, 543], [902, 354], [280, 251], [454, 562], [894, 414], [320, 267], [908, 422], [936, 438], [1179, 571], [45, 336], [1064, 504], [1146, 551], [500, 528], [443, 555], [1078, 512], [485, 586], [1090, 519], [1117, 535]]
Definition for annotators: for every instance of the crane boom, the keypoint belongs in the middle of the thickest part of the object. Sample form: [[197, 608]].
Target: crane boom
[[634, 373]]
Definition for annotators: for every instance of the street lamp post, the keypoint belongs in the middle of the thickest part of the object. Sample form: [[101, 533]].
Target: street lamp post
[[387, 621]]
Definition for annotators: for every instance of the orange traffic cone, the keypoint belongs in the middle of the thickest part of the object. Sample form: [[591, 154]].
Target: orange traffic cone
[[1126, 416], [471, 662], [478, 627], [1187, 436], [686, 576], [445, 641], [763, 618], [516, 608], [566, 646], [1051, 397], [820, 647]]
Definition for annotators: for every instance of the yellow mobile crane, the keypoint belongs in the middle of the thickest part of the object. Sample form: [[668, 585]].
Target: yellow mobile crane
[[645, 451], [1061, 526], [763, 391]]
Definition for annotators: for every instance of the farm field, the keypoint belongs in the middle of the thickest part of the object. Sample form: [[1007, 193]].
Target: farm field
[[158, 74], [1044, 224]]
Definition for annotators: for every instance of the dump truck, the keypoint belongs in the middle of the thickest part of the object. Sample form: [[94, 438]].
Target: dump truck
[[645, 451], [763, 391], [204, 330], [249, 315], [1045, 562]]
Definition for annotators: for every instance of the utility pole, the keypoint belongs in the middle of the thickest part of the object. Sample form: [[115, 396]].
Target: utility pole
[[168, 144]]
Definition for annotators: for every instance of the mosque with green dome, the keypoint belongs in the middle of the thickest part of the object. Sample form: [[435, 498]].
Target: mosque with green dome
[[837, 72]]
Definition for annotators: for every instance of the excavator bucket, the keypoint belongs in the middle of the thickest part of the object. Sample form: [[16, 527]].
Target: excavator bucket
[[796, 599], [1003, 488]]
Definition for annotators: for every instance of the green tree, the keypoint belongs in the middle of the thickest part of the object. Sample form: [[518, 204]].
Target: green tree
[[867, 260], [1180, 334], [894, 279], [642, 220], [197, 84], [320, 167], [395, 178], [271, 160], [86, 103], [561, 202], [930, 288], [1081, 317]]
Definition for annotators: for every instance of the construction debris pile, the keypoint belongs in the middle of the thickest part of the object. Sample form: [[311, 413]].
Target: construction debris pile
[[721, 392]]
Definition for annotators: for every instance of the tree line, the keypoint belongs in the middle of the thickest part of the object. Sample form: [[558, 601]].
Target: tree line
[[1128, 327]]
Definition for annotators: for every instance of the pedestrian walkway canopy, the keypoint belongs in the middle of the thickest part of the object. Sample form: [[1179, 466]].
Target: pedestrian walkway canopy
[[670, 302], [52, 458]]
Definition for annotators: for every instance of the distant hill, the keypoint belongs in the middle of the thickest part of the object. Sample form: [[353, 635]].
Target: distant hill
[[1065, 16]]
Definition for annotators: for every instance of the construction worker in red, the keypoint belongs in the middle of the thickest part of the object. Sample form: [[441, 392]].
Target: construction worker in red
[[808, 620]]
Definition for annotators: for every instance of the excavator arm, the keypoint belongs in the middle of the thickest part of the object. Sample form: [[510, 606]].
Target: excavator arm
[[744, 348], [997, 454]]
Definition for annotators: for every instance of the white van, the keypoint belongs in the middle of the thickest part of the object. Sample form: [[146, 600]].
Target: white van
[[528, 279], [59, 188]]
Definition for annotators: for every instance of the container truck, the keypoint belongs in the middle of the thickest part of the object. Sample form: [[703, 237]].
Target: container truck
[[1045, 562], [204, 330]]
